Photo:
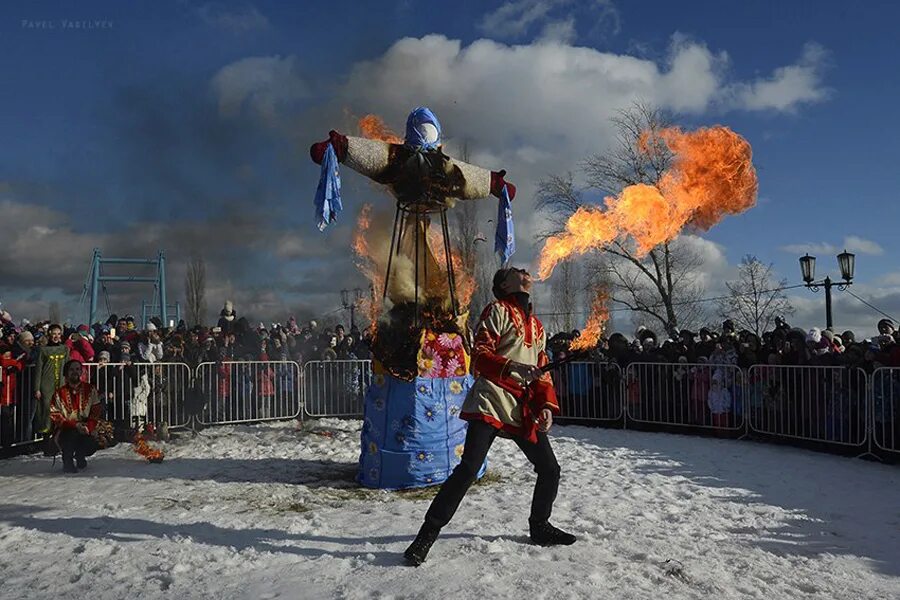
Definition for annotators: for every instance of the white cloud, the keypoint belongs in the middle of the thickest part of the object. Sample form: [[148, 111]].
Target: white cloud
[[788, 87], [237, 20], [852, 243], [559, 32], [862, 246], [555, 18], [263, 83]]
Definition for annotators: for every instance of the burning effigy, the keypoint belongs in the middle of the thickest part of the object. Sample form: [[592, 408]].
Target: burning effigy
[[412, 435]]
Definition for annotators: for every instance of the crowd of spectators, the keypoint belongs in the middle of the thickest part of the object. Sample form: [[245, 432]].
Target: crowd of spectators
[[47, 347], [783, 345]]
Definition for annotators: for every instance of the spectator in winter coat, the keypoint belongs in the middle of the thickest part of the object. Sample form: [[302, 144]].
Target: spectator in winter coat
[[50, 360], [79, 346], [25, 346], [151, 348], [74, 412], [104, 341], [227, 317], [719, 399], [12, 367]]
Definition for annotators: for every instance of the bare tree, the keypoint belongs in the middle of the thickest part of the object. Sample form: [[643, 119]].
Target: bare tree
[[754, 299], [659, 284], [564, 298], [195, 289]]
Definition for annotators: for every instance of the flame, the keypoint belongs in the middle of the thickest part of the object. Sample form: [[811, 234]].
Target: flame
[[711, 176], [373, 128], [595, 325], [366, 263], [143, 448], [465, 280]]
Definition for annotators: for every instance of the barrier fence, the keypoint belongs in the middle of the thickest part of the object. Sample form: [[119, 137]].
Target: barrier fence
[[885, 422], [838, 406], [143, 392], [592, 391], [335, 388], [247, 391], [685, 395], [16, 418], [820, 404]]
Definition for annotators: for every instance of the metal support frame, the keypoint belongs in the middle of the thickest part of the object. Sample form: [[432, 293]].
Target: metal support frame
[[422, 223], [97, 279]]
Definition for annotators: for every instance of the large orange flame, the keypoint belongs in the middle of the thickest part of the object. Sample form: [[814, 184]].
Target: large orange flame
[[711, 176], [596, 323], [374, 128]]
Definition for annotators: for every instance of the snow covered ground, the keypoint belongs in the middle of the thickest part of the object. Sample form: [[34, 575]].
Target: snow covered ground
[[269, 511]]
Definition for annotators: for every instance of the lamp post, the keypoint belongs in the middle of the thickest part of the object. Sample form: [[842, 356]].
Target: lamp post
[[349, 300], [847, 264]]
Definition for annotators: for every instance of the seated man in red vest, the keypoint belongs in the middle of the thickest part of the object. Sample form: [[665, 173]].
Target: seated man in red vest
[[74, 412], [511, 398]]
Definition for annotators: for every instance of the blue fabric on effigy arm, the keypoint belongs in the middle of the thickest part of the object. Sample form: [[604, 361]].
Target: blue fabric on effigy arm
[[328, 194], [412, 435], [505, 236]]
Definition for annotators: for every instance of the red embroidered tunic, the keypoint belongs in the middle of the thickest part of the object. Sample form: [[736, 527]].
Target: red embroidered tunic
[[505, 334], [75, 405]]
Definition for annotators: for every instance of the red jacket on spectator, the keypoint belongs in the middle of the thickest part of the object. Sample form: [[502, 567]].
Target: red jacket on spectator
[[10, 367], [80, 350]]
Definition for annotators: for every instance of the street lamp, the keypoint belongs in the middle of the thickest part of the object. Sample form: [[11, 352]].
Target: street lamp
[[349, 303], [846, 262]]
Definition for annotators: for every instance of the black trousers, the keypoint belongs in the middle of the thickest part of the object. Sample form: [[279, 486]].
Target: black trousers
[[479, 438], [76, 444]]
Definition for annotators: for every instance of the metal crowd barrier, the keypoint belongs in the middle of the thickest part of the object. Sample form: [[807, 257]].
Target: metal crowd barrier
[[813, 403], [885, 420], [248, 391], [685, 394], [16, 419], [335, 388], [143, 392], [592, 391]]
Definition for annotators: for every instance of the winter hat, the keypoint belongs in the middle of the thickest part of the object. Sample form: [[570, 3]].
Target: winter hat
[[151, 326], [104, 354], [5, 316], [25, 335], [883, 324], [228, 312], [814, 336]]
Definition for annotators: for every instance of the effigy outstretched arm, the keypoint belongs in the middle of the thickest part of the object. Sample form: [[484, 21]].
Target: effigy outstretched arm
[[481, 182], [366, 157]]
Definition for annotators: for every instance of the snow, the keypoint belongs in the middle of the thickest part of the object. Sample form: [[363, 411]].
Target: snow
[[271, 511]]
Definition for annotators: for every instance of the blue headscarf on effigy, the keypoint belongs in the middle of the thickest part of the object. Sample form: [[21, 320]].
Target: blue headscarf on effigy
[[328, 194], [417, 136]]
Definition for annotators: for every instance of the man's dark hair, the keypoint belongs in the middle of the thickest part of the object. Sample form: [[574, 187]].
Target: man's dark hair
[[69, 362], [497, 285], [54, 326]]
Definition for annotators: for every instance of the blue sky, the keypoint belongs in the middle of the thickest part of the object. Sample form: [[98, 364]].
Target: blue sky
[[180, 124]]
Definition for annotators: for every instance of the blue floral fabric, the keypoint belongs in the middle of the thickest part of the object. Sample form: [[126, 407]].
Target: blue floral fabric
[[412, 435]]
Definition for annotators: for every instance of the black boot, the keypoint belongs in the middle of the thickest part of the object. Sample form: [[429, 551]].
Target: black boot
[[68, 463], [418, 550], [80, 462], [545, 534]]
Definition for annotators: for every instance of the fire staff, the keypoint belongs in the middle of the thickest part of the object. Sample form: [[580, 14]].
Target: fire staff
[[511, 398]]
